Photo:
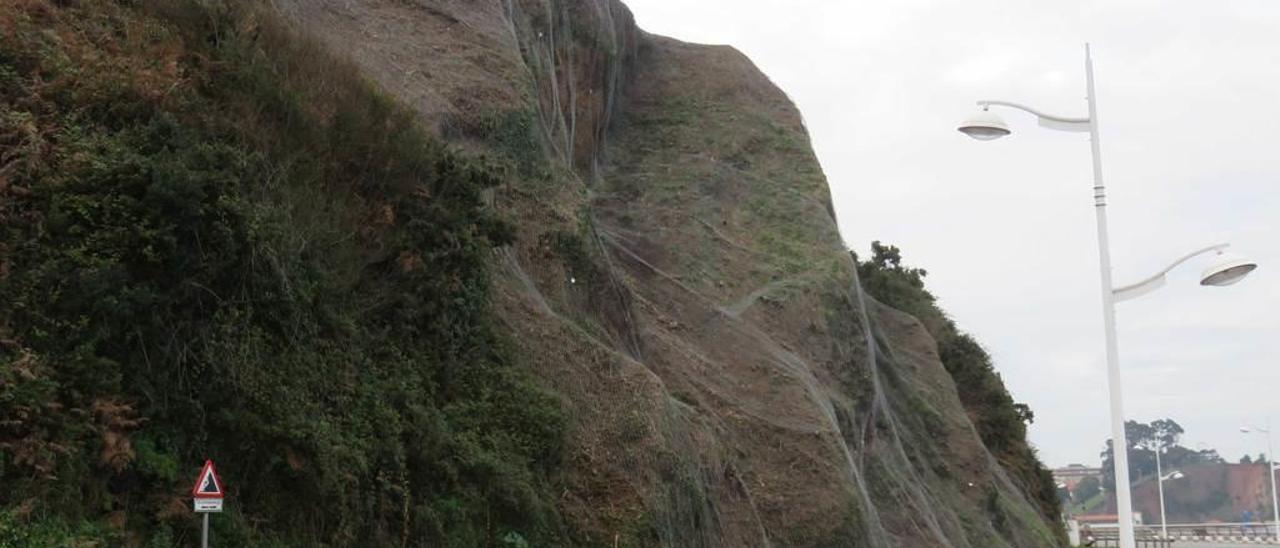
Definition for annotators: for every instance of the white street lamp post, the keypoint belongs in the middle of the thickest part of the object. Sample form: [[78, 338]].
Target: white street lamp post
[[1164, 528], [986, 126], [1271, 472]]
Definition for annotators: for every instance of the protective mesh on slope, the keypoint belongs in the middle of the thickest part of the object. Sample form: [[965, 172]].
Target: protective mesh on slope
[[729, 383], [750, 313]]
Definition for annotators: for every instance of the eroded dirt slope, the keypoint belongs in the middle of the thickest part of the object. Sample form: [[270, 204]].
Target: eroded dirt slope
[[679, 280]]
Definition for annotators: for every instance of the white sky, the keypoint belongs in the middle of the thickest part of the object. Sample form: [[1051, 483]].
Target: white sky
[[1189, 105]]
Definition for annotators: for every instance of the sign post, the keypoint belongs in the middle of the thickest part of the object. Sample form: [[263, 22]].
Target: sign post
[[206, 498]]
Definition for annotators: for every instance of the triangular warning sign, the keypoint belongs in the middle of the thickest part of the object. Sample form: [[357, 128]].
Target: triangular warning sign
[[207, 486]]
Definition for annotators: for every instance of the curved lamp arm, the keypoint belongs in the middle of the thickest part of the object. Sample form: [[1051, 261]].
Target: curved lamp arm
[[1156, 282], [1060, 123]]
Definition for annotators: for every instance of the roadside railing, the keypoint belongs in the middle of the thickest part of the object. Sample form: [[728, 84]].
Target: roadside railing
[[1113, 541], [1149, 536]]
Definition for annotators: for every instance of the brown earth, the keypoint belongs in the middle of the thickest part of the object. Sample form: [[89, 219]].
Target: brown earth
[[1207, 493], [679, 280]]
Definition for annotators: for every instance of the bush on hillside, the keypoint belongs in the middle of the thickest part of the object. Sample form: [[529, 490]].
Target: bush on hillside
[[1001, 422], [217, 242]]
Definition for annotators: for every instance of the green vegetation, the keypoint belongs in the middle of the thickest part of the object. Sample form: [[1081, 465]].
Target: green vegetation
[[215, 241], [511, 135], [1001, 422], [1088, 488], [1210, 500], [1146, 438], [1090, 505]]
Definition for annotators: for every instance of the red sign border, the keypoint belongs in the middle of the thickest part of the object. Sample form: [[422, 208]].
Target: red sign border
[[217, 482]]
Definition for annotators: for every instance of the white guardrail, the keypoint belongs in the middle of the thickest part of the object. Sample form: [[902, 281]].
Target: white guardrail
[[1256, 533]]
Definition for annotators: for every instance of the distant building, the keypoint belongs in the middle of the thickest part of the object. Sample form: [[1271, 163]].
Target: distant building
[[1073, 474]]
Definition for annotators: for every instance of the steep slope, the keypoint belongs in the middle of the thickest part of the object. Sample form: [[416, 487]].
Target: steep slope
[[220, 240], [217, 241], [678, 278]]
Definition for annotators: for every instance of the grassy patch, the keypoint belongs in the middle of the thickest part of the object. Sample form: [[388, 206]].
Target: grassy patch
[[512, 135]]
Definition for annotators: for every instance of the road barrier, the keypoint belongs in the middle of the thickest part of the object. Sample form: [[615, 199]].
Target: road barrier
[[1149, 536]]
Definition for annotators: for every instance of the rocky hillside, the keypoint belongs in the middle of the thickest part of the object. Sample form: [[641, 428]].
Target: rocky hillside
[[664, 266]]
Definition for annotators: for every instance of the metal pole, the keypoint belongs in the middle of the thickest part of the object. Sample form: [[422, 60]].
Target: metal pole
[[204, 532], [1271, 471], [1119, 442], [1164, 529]]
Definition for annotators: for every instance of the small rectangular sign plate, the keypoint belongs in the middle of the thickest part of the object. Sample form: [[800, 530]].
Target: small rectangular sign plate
[[207, 505]]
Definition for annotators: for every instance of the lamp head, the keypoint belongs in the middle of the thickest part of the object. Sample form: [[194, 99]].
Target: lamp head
[[984, 125], [1177, 475], [1227, 269]]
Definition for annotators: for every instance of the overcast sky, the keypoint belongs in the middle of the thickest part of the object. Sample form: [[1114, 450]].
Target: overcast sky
[[1189, 105]]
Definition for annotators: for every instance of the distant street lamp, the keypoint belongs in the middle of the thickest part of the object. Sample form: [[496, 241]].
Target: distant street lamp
[[1164, 528], [1271, 472], [986, 126]]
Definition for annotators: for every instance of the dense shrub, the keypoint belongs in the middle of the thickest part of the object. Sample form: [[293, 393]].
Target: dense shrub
[[1001, 422], [216, 241]]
